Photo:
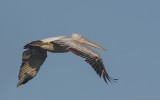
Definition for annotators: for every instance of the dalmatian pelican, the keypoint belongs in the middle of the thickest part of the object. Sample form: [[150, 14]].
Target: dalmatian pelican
[[36, 53]]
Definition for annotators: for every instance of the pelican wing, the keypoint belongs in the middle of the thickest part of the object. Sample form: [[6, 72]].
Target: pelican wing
[[32, 59], [91, 56]]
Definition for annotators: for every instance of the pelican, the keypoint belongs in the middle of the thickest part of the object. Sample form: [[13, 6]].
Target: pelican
[[36, 53]]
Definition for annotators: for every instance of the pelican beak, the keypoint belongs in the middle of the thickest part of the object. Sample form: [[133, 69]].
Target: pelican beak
[[88, 42]]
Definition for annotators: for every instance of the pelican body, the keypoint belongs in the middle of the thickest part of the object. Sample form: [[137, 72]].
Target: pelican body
[[36, 53]]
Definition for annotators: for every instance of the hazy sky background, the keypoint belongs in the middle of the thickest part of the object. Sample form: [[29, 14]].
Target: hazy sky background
[[129, 29]]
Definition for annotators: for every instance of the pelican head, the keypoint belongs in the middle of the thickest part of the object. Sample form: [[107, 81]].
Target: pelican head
[[77, 36], [83, 40]]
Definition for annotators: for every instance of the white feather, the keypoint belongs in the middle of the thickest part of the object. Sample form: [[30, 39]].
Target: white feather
[[50, 39]]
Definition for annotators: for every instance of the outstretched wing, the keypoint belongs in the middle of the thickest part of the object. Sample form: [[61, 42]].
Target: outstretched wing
[[32, 59], [91, 56]]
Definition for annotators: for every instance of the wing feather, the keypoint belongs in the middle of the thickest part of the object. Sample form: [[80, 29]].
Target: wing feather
[[32, 59], [91, 56]]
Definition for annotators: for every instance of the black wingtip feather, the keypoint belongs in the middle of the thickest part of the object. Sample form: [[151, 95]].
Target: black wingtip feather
[[104, 77], [24, 79], [20, 82]]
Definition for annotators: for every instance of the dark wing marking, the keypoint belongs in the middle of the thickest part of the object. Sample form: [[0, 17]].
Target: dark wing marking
[[32, 59], [90, 56], [37, 43]]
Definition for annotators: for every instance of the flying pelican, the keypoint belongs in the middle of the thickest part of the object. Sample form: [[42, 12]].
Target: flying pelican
[[36, 53]]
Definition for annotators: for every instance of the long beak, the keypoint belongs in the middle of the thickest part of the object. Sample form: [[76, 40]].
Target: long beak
[[88, 42]]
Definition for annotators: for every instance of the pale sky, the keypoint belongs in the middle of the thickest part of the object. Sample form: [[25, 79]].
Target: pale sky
[[129, 29]]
